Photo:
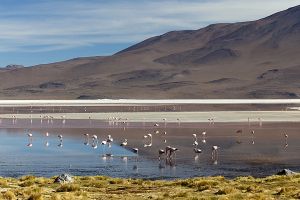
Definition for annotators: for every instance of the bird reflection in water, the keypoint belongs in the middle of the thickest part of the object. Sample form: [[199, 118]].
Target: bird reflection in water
[[148, 138], [215, 154], [47, 142], [286, 136], [29, 139], [94, 141], [252, 137]]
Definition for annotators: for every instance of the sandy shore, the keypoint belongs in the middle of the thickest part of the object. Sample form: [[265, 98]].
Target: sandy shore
[[218, 116]]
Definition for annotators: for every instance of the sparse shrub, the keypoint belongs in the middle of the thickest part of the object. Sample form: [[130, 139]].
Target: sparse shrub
[[95, 183], [137, 181], [55, 197], [286, 190], [203, 187], [35, 196], [3, 182], [25, 178], [27, 183], [9, 195], [68, 188], [166, 194], [226, 190], [181, 194], [116, 181]]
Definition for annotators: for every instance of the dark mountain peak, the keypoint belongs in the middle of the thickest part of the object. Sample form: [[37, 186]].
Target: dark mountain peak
[[292, 13], [13, 66], [228, 31]]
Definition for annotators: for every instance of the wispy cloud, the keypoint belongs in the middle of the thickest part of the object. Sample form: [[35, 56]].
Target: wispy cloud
[[35, 26]]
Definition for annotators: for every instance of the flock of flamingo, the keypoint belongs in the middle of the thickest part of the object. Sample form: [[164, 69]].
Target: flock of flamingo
[[168, 153]]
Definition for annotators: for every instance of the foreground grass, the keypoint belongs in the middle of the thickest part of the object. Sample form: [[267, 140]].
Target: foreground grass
[[101, 187]]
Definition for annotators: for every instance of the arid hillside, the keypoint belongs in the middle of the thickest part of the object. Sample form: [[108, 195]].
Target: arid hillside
[[256, 59]]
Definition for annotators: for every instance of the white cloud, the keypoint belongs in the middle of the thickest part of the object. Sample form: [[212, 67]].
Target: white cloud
[[53, 25]]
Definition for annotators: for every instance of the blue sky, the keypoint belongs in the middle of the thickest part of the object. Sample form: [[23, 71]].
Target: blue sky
[[42, 31]]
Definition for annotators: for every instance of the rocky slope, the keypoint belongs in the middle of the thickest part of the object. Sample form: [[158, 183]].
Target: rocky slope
[[256, 59]]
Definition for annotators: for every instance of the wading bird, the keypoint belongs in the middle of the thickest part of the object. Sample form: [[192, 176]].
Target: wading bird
[[60, 141], [195, 143], [124, 143], [160, 153], [239, 132], [214, 153], [94, 141], [149, 144], [197, 150], [86, 139], [109, 139]]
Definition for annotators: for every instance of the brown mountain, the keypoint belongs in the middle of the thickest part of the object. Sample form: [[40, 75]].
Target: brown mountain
[[256, 59]]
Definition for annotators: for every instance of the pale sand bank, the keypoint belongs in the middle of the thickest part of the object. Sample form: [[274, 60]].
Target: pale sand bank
[[144, 102], [219, 116]]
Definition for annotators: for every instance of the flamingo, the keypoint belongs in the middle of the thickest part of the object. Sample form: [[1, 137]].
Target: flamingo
[[240, 131], [178, 120], [60, 137], [197, 151], [160, 153], [135, 150], [86, 140], [150, 142], [124, 143], [95, 141], [214, 153], [109, 139], [260, 121], [195, 143], [173, 152], [165, 121]]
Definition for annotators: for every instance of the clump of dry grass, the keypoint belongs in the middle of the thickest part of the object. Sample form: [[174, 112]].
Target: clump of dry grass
[[8, 195], [35, 196], [3, 182], [226, 190], [102, 187], [68, 188]]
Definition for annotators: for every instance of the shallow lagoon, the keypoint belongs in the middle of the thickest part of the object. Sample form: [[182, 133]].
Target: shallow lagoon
[[260, 154]]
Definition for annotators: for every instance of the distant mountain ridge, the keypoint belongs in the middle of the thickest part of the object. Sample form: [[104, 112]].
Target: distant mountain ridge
[[255, 59], [13, 66]]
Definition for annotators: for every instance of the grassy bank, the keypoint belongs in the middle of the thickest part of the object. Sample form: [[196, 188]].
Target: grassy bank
[[100, 187]]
